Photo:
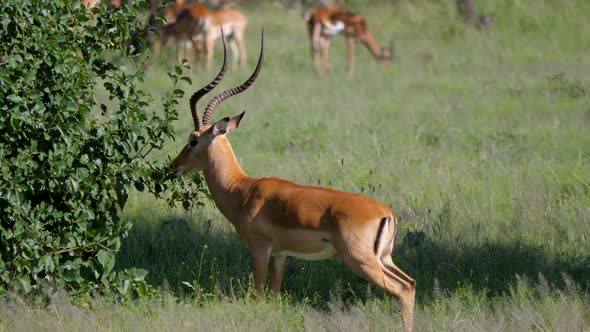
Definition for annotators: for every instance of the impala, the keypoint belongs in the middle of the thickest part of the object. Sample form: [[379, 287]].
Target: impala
[[330, 21], [233, 23], [278, 218], [185, 28], [172, 12]]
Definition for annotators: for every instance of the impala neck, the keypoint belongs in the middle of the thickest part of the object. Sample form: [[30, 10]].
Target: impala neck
[[227, 182], [371, 43]]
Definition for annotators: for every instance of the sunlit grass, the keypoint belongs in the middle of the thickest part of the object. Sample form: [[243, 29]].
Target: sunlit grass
[[476, 138], [528, 306]]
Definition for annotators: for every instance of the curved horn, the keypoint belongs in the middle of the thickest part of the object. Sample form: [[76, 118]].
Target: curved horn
[[234, 91], [203, 91]]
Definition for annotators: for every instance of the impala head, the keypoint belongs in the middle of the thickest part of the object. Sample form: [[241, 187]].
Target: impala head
[[206, 134], [386, 54], [170, 15]]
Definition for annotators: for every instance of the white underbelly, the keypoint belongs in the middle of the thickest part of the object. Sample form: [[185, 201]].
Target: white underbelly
[[327, 252], [228, 30], [334, 29]]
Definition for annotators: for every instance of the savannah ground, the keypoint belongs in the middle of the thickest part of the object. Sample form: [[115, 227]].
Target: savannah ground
[[478, 139]]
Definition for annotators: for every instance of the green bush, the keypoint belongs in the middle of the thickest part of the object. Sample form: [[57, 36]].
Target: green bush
[[68, 161]]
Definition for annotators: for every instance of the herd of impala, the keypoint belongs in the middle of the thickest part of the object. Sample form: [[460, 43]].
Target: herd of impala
[[196, 25], [274, 217], [199, 27]]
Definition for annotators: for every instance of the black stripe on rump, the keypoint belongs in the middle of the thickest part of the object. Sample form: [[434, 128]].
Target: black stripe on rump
[[384, 221]]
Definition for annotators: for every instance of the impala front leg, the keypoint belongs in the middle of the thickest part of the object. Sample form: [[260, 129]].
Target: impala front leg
[[325, 58], [350, 49], [198, 48], [277, 271], [180, 50], [260, 259], [316, 49], [317, 59]]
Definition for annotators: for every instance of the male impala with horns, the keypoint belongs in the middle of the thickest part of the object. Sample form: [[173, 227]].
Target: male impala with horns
[[277, 218]]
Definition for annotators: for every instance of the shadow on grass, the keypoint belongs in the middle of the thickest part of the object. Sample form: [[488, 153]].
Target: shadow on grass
[[214, 260], [489, 268], [176, 250]]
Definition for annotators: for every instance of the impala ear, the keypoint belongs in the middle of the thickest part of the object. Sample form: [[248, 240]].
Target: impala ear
[[226, 125]]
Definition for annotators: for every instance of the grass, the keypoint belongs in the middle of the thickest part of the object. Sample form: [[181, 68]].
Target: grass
[[478, 139]]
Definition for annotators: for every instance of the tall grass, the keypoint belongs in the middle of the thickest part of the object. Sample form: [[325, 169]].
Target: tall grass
[[527, 307], [478, 139]]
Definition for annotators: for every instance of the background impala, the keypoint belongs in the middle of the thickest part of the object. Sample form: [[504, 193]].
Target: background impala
[[200, 27], [325, 23], [233, 23], [185, 24]]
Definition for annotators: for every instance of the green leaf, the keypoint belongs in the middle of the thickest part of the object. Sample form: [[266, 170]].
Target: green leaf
[[25, 283], [15, 99], [139, 186], [46, 262], [186, 79], [106, 260], [137, 274]]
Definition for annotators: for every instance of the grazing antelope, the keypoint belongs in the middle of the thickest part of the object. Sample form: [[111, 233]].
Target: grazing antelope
[[233, 23], [172, 12], [185, 27], [278, 218], [330, 21]]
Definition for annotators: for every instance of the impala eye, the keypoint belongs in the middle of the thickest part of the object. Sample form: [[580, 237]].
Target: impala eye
[[193, 142]]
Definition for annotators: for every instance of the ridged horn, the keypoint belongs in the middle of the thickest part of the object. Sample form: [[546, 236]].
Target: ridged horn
[[210, 109], [203, 91]]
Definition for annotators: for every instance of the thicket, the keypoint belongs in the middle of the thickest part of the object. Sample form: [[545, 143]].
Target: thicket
[[68, 161]]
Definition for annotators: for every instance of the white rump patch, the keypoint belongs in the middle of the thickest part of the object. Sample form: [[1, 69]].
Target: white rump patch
[[228, 30], [334, 28]]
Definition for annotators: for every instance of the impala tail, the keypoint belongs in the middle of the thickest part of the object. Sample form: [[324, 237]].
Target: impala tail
[[385, 235]]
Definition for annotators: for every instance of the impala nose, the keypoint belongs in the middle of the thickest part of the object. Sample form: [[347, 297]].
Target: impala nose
[[176, 170]]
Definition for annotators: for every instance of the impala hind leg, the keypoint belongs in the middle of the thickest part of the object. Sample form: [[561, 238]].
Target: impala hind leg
[[394, 272], [235, 51], [350, 51], [391, 267], [376, 273], [239, 38], [369, 266]]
